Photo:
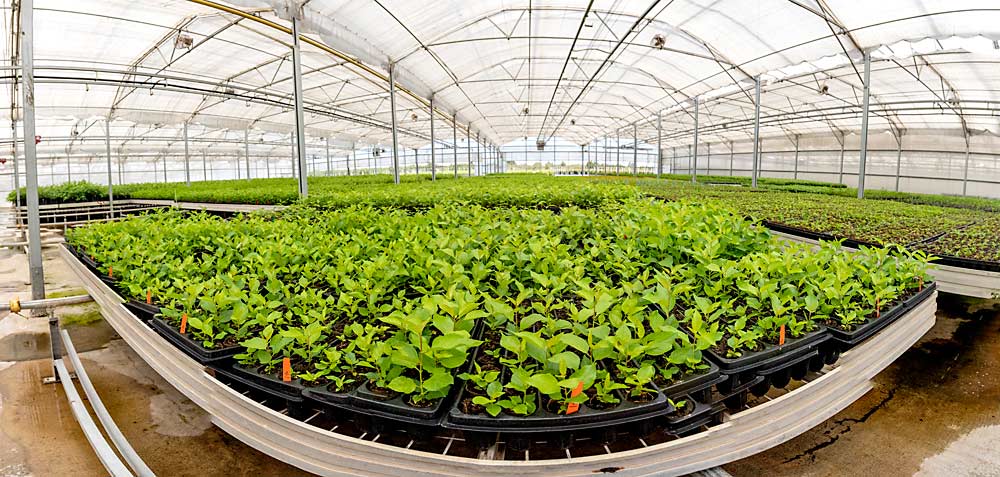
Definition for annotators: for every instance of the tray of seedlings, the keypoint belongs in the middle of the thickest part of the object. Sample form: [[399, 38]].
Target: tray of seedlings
[[636, 316]]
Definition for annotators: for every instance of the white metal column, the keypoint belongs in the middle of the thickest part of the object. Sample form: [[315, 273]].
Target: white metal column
[[796, 176], [756, 133], [107, 150], [300, 126], [694, 158], [433, 148], [187, 157], [899, 157], [635, 149], [329, 167], [30, 160], [454, 142], [395, 139], [246, 150], [659, 144], [965, 173], [618, 151], [864, 126]]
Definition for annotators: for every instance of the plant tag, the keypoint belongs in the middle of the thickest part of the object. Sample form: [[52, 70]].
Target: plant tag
[[149, 297], [286, 370], [573, 407], [878, 309], [184, 323], [111, 272], [781, 336]]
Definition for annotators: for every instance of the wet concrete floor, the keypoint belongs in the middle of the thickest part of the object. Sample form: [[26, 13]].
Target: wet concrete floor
[[934, 412]]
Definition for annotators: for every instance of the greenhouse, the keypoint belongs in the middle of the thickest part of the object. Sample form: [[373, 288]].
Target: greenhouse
[[511, 237]]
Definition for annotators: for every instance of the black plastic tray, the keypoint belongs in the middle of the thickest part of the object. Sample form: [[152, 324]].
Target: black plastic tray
[[959, 262], [848, 339], [265, 382], [259, 383], [773, 356], [694, 383], [322, 395], [397, 407], [543, 421], [142, 310], [703, 414], [191, 347]]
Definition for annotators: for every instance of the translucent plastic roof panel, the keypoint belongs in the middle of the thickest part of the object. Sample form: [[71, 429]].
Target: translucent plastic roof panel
[[510, 69]]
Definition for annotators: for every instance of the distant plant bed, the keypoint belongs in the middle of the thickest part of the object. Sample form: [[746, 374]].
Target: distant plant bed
[[941, 230], [526, 312], [67, 192]]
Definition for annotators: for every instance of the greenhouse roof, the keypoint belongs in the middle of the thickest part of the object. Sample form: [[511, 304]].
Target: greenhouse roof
[[511, 69]]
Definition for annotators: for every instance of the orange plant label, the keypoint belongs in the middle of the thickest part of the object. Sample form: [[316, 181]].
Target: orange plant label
[[573, 407], [184, 323], [149, 297], [286, 370], [111, 272], [878, 309], [781, 336]]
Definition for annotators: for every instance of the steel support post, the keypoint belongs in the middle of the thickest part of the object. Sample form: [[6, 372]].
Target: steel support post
[[635, 149], [732, 157], [618, 151], [187, 157], [246, 151], [659, 144], [354, 156], [965, 173], [708, 159], [479, 156], [30, 159], [416, 161], [605, 154], [69, 169], [840, 174], [107, 150], [395, 136], [433, 144], [329, 165], [468, 151], [17, 172], [796, 176], [694, 158], [864, 126], [899, 157], [454, 142], [204, 165], [756, 132], [300, 122]]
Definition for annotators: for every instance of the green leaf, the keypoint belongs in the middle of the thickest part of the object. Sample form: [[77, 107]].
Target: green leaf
[[403, 384]]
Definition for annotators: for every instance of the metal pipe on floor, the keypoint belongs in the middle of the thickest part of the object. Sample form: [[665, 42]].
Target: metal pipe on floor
[[47, 302], [104, 452], [107, 422]]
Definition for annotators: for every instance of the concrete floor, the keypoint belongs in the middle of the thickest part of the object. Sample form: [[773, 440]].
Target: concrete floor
[[933, 413]]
